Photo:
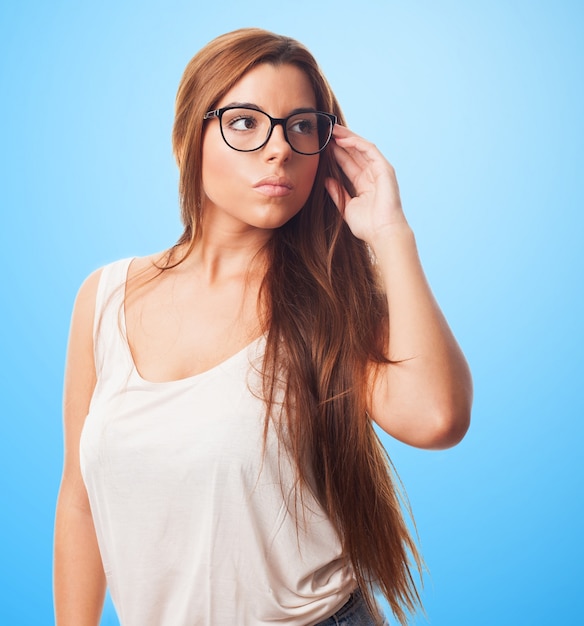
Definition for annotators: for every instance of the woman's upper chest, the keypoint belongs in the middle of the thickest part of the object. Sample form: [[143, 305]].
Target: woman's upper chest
[[179, 325]]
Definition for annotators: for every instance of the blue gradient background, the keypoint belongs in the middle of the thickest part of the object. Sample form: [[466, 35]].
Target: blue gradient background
[[479, 106]]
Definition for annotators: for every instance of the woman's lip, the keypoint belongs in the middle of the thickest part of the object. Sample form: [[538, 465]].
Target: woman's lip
[[274, 186], [275, 191]]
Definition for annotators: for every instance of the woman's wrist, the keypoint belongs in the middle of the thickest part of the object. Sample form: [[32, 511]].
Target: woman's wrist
[[385, 241]]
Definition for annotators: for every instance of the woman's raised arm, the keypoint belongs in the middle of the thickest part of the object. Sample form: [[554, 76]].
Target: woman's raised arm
[[424, 396]]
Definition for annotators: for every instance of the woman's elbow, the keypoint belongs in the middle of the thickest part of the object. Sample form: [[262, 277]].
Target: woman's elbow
[[432, 421], [450, 421], [449, 429]]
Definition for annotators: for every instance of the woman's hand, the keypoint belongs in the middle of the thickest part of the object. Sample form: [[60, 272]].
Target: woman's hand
[[376, 208]]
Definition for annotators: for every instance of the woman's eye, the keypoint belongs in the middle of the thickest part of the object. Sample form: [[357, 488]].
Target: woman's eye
[[302, 127], [242, 122]]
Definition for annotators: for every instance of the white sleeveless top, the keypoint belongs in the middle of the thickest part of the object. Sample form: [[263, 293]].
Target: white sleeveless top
[[195, 526]]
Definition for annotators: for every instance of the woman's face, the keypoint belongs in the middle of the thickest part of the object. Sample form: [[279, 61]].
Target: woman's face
[[265, 188]]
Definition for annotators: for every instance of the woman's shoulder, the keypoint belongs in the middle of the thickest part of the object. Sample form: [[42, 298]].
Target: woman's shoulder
[[91, 285], [106, 285], [113, 274], [123, 269]]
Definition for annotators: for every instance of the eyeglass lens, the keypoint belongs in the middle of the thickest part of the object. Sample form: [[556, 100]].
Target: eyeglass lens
[[247, 130]]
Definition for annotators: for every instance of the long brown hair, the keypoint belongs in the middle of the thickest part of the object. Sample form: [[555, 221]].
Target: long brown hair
[[325, 319]]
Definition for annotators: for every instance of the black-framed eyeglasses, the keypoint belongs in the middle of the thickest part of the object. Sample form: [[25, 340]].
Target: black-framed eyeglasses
[[246, 129]]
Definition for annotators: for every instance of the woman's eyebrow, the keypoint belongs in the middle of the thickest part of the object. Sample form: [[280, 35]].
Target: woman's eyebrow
[[244, 105], [255, 107], [303, 110]]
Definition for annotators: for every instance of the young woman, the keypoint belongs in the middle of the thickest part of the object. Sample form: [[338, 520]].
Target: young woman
[[221, 465]]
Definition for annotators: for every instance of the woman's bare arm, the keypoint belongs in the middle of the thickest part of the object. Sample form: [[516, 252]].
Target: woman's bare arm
[[79, 581], [424, 397]]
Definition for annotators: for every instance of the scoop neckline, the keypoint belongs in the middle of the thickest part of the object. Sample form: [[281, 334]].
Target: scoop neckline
[[177, 381], [193, 377]]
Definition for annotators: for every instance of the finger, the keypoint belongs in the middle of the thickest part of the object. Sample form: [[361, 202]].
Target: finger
[[371, 161], [340, 135], [342, 131], [337, 192], [366, 151], [360, 159], [350, 141], [348, 164]]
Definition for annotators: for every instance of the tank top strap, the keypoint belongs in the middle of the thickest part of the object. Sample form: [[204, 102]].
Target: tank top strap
[[109, 328]]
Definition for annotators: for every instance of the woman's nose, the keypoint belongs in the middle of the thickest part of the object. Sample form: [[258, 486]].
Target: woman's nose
[[277, 144]]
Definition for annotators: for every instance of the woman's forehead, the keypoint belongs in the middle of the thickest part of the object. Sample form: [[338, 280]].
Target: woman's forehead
[[276, 89]]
